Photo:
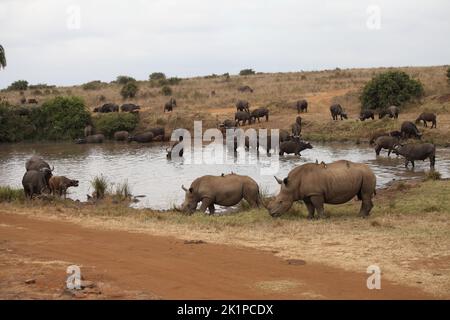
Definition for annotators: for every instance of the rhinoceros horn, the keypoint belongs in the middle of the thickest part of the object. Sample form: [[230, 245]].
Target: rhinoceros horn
[[278, 180]]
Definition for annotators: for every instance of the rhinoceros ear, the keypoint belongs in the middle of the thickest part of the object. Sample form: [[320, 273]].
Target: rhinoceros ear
[[278, 180]]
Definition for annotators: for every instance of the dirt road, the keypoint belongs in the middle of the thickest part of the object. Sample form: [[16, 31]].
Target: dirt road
[[126, 265]]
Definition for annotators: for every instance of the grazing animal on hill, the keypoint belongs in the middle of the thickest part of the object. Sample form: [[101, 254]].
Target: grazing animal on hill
[[427, 117]]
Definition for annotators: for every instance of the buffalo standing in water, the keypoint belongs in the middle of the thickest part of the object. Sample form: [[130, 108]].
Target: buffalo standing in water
[[334, 183], [226, 190], [419, 151]]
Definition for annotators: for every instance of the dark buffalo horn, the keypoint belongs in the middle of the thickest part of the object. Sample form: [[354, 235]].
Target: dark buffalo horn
[[182, 187], [52, 169], [278, 180]]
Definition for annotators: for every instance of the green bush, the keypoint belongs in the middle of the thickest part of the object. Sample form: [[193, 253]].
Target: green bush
[[166, 90], [247, 72], [93, 85], [8, 194], [40, 86], [390, 88], [100, 185], [173, 81], [61, 118], [157, 76], [125, 79], [19, 85], [110, 123], [129, 90], [448, 74], [13, 127]]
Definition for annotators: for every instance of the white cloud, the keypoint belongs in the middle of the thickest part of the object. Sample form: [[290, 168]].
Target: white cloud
[[195, 37]]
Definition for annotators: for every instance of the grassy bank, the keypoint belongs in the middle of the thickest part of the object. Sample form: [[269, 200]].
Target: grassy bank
[[276, 91], [407, 235]]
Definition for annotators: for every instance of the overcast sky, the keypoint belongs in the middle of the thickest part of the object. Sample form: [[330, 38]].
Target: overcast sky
[[71, 42]]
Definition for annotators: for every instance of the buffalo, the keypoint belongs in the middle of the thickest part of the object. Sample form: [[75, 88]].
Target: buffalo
[[59, 185], [409, 130], [242, 105], [95, 138], [32, 101], [226, 190], [316, 184], [392, 112], [88, 131], [427, 117], [242, 116], [142, 138], [245, 89], [129, 107], [297, 127], [170, 105], [417, 151], [36, 163], [260, 113], [302, 106], [121, 135], [366, 114], [385, 142], [294, 146], [107, 108], [36, 182], [337, 111]]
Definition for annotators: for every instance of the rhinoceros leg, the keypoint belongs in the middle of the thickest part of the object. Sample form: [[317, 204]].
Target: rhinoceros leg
[[207, 203], [310, 208], [317, 202], [366, 206]]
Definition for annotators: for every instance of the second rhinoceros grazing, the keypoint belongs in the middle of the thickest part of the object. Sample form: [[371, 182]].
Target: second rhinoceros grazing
[[226, 190], [334, 183]]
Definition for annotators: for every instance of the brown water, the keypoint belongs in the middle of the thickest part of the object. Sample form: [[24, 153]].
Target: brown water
[[149, 173]]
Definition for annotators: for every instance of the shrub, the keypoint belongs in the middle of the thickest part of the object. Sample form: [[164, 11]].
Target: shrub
[[93, 85], [60, 118], [166, 90], [100, 185], [448, 74], [390, 88], [124, 79], [19, 85], [157, 76], [247, 72], [122, 191], [173, 81], [13, 127], [129, 90], [433, 175], [8, 194], [40, 86], [111, 122]]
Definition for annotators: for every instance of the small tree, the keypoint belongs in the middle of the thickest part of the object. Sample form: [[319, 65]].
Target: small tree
[[2, 57], [19, 85], [129, 90], [390, 88], [125, 79], [166, 90], [247, 72], [157, 76]]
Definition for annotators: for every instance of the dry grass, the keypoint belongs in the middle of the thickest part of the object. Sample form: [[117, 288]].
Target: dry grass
[[408, 234], [278, 92]]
